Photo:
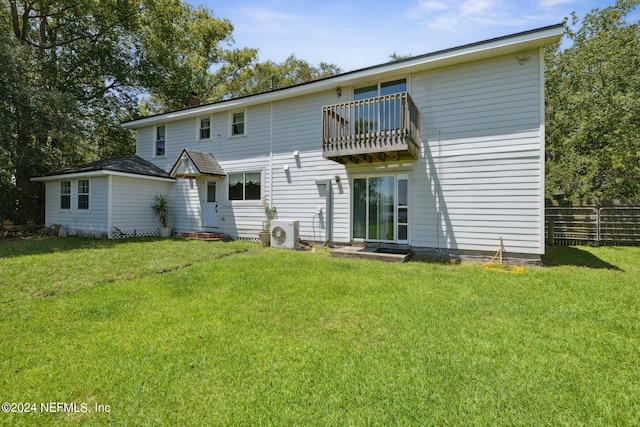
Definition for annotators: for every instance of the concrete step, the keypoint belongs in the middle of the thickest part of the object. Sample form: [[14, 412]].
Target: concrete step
[[378, 254], [203, 235]]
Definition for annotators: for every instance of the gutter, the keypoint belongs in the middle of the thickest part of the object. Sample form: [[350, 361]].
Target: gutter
[[505, 45]]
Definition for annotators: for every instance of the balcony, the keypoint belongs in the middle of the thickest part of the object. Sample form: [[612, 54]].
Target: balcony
[[381, 129]]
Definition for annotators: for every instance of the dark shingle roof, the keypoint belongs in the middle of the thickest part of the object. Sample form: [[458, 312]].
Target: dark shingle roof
[[205, 163], [133, 165]]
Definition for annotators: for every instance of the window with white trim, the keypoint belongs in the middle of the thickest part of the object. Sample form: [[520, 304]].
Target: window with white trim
[[238, 123], [205, 129], [83, 194], [245, 186], [160, 141], [65, 194]]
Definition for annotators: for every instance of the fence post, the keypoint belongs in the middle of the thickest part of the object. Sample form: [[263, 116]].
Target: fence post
[[598, 224], [550, 231]]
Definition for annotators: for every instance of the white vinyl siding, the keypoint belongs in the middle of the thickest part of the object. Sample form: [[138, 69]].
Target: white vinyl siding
[[91, 222], [131, 201], [186, 215], [478, 177], [480, 128]]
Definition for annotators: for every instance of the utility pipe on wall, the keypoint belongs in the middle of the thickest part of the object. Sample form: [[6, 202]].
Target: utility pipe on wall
[[328, 209]]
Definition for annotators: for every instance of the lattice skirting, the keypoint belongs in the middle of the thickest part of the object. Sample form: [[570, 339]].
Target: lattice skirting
[[141, 232], [250, 239]]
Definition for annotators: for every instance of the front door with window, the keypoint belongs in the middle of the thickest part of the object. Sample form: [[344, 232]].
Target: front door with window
[[210, 205], [380, 209]]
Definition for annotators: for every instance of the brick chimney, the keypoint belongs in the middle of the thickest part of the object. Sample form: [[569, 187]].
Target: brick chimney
[[194, 101]]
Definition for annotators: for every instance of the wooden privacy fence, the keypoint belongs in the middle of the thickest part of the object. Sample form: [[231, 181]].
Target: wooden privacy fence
[[601, 225]]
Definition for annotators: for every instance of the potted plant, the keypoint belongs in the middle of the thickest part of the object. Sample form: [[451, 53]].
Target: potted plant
[[265, 235], [162, 210]]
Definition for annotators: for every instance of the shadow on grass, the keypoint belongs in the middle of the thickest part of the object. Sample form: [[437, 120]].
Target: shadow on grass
[[15, 247], [573, 256]]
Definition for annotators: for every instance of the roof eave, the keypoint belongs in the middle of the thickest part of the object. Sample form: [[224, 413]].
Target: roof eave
[[98, 173], [472, 52]]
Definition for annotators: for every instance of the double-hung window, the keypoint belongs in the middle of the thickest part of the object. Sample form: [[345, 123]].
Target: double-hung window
[[160, 141], [83, 194], [65, 194], [245, 186], [238, 123], [205, 129]]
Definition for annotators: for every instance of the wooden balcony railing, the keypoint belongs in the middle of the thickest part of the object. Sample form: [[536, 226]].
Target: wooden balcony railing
[[380, 129]]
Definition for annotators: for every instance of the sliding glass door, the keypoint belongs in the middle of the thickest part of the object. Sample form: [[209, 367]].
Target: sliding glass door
[[380, 208]]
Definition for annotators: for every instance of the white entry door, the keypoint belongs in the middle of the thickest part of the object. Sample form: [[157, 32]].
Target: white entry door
[[210, 205]]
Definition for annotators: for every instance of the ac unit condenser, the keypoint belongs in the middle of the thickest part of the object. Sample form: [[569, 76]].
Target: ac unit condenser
[[284, 233]]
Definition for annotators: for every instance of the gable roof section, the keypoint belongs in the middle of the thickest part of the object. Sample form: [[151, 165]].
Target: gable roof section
[[195, 163], [510, 44], [125, 166]]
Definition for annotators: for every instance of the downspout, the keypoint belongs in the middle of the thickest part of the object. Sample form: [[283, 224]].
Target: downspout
[[271, 154], [329, 213], [439, 187], [109, 205], [328, 210], [541, 248]]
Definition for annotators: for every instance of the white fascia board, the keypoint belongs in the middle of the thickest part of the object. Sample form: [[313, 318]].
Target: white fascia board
[[468, 53], [97, 173]]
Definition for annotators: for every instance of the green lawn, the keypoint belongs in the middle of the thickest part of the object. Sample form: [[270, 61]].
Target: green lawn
[[175, 332]]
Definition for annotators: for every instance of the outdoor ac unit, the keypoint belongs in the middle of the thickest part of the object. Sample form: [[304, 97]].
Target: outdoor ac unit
[[284, 234]]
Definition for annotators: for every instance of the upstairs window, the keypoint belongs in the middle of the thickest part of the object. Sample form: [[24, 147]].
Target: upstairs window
[[65, 194], [160, 141], [83, 194], [245, 186], [205, 128], [237, 123], [381, 89], [381, 114]]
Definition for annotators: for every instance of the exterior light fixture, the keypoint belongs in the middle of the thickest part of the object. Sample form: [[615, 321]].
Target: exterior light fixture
[[522, 58]]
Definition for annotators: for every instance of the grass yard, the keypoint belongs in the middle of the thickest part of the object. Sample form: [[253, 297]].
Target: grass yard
[[176, 332]]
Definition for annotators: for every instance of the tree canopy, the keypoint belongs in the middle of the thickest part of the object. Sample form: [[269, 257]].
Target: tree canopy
[[593, 108], [73, 70], [265, 76]]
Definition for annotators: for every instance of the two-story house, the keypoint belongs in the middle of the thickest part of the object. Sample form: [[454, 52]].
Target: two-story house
[[443, 150]]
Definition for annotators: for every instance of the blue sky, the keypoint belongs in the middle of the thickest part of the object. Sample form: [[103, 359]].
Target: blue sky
[[360, 33]]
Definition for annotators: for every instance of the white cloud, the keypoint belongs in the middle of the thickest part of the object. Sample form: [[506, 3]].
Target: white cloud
[[260, 19], [477, 7], [432, 5], [461, 15], [552, 3]]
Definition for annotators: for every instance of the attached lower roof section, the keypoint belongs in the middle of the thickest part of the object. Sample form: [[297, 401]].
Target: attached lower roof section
[[191, 164], [126, 166]]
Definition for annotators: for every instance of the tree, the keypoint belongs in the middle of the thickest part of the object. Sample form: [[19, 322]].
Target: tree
[[73, 69], [183, 53], [593, 108], [265, 76], [398, 57]]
